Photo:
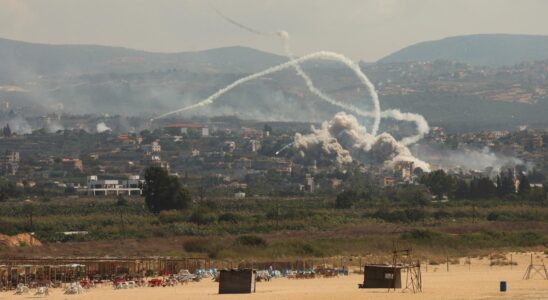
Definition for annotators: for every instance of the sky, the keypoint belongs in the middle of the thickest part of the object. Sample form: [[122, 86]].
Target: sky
[[361, 29]]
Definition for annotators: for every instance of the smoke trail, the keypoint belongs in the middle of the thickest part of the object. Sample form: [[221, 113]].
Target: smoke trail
[[284, 147], [284, 36], [242, 26], [421, 124], [322, 55], [313, 89]]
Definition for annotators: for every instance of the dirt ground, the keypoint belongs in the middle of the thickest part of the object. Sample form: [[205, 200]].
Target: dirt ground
[[475, 281]]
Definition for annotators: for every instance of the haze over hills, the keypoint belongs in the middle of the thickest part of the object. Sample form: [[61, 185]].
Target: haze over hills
[[479, 49], [22, 59], [108, 80]]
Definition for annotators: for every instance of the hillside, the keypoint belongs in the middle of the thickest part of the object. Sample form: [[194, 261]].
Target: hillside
[[37, 78], [481, 49], [23, 61]]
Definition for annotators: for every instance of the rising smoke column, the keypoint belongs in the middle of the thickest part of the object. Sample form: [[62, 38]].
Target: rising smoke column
[[328, 143], [421, 124], [344, 140]]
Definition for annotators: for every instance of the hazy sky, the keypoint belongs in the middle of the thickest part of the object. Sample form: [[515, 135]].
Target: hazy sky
[[361, 29]]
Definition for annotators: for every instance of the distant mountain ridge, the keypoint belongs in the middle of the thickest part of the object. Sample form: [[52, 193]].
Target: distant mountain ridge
[[478, 49], [37, 79], [21, 59]]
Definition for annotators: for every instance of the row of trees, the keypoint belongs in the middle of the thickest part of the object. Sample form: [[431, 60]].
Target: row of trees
[[505, 185], [441, 185]]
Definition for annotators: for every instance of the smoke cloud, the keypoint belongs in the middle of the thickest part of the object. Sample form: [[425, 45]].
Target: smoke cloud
[[468, 159], [102, 127], [20, 126], [343, 139]]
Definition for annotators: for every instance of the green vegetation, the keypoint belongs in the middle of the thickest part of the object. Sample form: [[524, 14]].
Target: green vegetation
[[313, 227], [164, 192]]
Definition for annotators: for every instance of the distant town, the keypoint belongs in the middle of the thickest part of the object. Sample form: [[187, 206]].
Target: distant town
[[229, 157]]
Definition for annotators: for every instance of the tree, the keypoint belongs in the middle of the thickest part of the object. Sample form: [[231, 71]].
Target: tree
[[121, 204], [524, 185], [164, 192], [482, 188], [28, 209], [346, 199], [8, 190], [439, 183], [505, 183], [267, 129], [461, 191], [7, 131]]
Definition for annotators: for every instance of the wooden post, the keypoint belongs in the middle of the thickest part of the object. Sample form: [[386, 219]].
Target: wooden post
[[447, 262]]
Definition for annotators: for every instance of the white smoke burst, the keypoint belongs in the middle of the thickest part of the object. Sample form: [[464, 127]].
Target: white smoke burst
[[328, 138], [20, 126], [343, 139], [102, 127]]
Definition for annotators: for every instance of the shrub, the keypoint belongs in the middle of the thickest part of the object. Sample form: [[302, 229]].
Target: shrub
[[202, 218], [346, 199], [251, 241], [420, 235], [171, 216], [229, 218], [308, 249], [209, 246], [492, 216]]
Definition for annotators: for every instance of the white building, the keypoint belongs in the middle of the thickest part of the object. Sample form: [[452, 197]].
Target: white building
[[154, 147], [132, 186]]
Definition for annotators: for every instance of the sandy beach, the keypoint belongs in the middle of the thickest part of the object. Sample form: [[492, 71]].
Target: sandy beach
[[463, 281]]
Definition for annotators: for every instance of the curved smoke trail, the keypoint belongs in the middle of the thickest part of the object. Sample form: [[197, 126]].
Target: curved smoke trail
[[284, 36], [421, 124], [322, 55], [314, 90]]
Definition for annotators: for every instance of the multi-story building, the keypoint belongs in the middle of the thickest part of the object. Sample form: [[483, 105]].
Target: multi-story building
[[403, 170], [9, 163]]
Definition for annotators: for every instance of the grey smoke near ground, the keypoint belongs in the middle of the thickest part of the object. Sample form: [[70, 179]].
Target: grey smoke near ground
[[20, 126], [54, 127], [344, 140], [467, 159], [102, 127]]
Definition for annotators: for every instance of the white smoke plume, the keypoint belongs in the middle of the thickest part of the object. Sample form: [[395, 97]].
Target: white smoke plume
[[421, 124], [54, 127], [343, 136], [468, 159], [102, 127], [20, 126], [321, 55], [344, 140]]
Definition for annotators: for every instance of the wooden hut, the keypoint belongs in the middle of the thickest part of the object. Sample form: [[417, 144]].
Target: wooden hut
[[237, 281], [381, 276]]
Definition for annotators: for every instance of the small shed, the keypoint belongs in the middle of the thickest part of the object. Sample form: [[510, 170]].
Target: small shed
[[381, 276], [237, 281]]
